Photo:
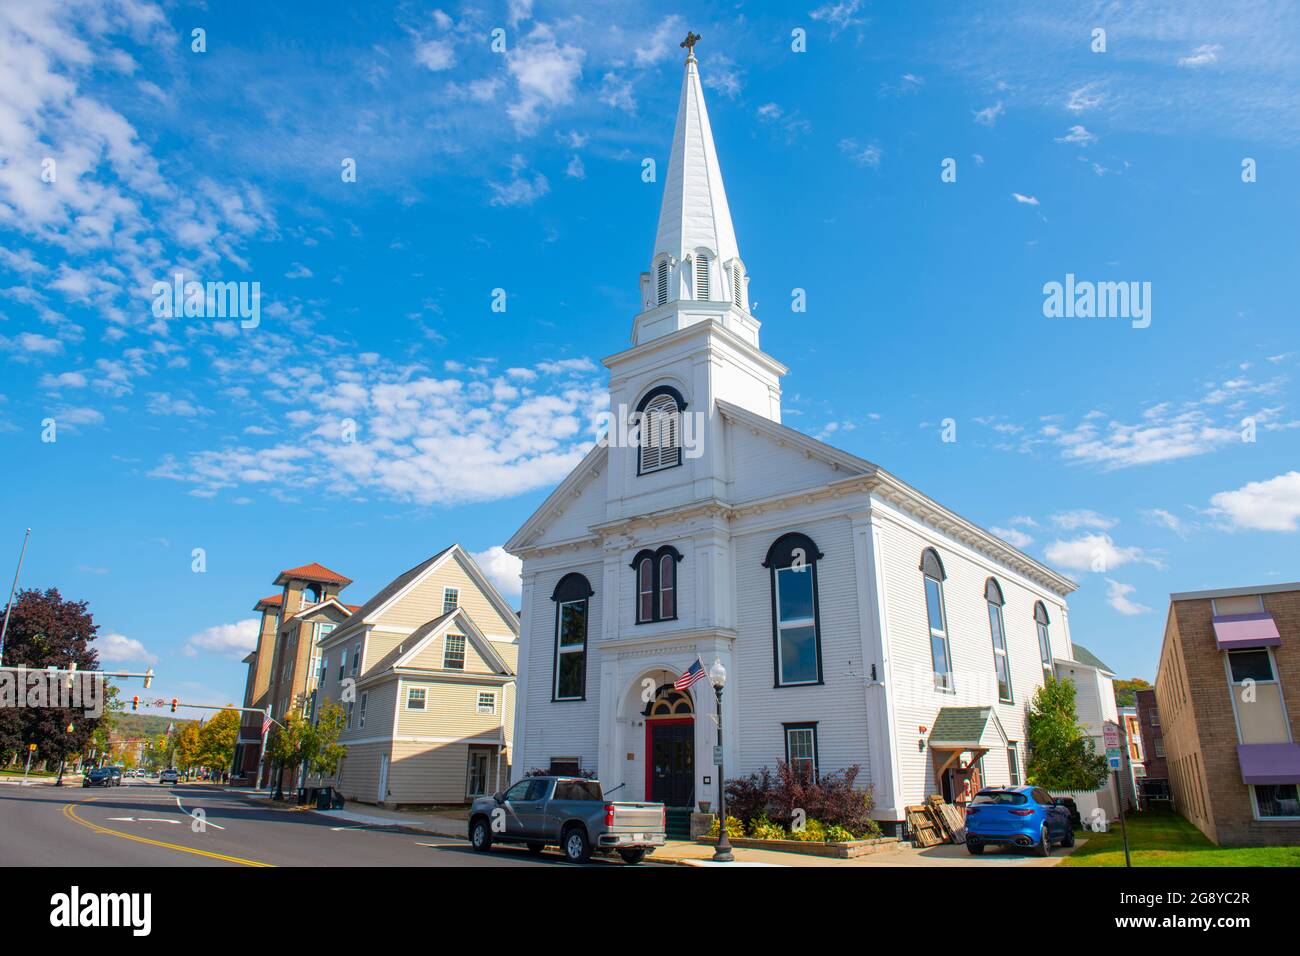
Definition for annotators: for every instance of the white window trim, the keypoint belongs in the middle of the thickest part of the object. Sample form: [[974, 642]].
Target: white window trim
[[464, 647], [940, 632], [782, 626], [1006, 657], [424, 699], [812, 740], [361, 717], [478, 702], [574, 649], [1254, 809]]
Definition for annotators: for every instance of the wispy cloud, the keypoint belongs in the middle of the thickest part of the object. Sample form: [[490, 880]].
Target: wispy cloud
[[1117, 596]]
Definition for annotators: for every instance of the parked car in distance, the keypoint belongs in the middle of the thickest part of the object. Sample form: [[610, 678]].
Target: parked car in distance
[[99, 777], [169, 776], [1072, 808], [1021, 817], [569, 812]]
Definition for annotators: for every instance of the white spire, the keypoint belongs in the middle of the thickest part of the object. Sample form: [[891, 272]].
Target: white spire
[[694, 214]]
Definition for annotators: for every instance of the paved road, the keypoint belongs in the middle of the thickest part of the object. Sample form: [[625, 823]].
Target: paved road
[[147, 824]]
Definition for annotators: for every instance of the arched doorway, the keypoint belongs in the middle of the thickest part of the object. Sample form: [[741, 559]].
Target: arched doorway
[[670, 748]]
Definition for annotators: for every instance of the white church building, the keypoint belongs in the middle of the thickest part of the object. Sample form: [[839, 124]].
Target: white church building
[[859, 621]]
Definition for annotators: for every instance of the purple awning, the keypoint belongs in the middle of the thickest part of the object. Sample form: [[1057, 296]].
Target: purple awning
[[1269, 763], [1237, 631]]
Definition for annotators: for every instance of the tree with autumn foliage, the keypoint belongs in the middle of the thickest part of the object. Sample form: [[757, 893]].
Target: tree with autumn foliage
[[217, 741], [47, 631], [189, 746]]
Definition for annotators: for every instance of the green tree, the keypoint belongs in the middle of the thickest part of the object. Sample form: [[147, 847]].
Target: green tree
[[326, 751], [289, 744], [47, 631], [1126, 691], [1060, 756], [188, 746], [217, 740]]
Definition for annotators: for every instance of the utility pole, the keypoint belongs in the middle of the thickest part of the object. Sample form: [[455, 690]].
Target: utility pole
[[9, 607]]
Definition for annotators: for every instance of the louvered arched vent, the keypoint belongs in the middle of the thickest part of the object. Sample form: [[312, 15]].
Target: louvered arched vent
[[701, 276], [663, 281], [735, 286], [660, 441]]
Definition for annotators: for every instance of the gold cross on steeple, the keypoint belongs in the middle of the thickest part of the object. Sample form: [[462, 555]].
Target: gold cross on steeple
[[689, 42]]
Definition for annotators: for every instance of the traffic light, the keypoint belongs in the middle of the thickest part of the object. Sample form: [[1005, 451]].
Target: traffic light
[[173, 705], [135, 702]]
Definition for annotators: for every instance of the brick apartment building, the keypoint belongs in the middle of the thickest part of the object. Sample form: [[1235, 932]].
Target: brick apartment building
[[1228, 700], [1154, 785], [284, 666]]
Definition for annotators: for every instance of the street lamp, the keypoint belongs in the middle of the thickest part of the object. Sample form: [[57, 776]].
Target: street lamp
[[722, 852]]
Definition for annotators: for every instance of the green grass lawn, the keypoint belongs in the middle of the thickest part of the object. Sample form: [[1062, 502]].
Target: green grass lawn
[[1162, 838]]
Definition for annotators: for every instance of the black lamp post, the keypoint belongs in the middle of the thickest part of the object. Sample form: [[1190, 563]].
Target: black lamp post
[[722, 853]]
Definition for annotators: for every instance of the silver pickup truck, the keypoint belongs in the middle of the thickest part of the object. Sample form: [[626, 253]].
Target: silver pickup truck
[[570, 812]]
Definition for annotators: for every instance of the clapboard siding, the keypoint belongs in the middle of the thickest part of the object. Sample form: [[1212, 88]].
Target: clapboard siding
[[450, 710], [359, 775], [561, 728], [760, 468], [916, 701], [838, 706], [423, 602]]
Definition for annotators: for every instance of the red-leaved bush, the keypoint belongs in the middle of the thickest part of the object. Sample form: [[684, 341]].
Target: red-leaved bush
[[830, 798]]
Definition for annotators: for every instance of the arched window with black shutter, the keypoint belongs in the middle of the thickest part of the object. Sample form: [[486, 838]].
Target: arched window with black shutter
[[572, 597], [659, 442], [997, 628], [656, 584], [1041, 623], [796, 621], [937, 615]]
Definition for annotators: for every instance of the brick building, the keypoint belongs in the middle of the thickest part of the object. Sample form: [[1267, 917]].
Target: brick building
[[1228, 699], [1154, 785], [284, 666]]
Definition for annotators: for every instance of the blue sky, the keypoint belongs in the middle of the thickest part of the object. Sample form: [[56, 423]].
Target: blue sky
[[476, 170]]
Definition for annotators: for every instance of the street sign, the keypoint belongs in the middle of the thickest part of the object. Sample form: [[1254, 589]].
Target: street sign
[[1114, 763], [717, 755], [1111, 733]]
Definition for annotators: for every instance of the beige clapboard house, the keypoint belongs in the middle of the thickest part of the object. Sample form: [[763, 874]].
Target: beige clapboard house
[[426, 673]]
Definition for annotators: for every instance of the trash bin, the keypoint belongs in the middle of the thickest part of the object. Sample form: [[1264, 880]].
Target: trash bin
[[302, 796], [324, 798]]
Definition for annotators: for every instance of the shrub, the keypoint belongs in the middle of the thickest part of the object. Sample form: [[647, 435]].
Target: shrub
[[762, 828], [830, 798], [837, 834], [814, 831], [735, 829]]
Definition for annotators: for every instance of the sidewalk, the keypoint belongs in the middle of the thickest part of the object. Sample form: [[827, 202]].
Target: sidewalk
[[690, 853]]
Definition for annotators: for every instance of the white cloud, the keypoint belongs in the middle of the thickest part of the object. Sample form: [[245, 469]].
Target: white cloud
[[519, 189], [502, 569], [1164, 518], [862, 155], [119, 649], [298, 271], [1078, 135], [989, 115], [436, 55], [1093, 552], [1027, 200], [1014, 537], [546, 75], [840, 14], [1084, 98], [1203, 55], [225, 640], [63, 380], [1117, 596], [1082, 518], [1272, 505], [576, 168]]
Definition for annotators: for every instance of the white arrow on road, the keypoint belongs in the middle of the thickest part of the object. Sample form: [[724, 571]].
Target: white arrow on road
[[144, 819]]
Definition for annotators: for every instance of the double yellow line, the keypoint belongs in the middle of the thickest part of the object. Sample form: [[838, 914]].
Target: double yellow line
[[70, 811]]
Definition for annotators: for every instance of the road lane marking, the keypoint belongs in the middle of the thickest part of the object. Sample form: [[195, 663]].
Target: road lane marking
[[182, 809], [70, 811]]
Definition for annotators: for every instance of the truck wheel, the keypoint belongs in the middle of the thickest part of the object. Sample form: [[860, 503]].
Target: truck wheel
[[577, 848], [632, 857], [480, 836]]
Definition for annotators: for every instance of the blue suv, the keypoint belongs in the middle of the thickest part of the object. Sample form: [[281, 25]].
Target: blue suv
[[1024, 817]]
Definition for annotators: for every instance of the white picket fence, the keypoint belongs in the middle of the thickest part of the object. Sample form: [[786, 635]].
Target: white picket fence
[[1089, 800]]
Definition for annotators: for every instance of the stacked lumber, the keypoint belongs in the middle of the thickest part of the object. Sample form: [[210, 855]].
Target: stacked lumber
[[926, 830], [950, 819]]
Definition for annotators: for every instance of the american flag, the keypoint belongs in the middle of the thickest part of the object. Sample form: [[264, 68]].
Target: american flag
[[692, 674], [266, 724]]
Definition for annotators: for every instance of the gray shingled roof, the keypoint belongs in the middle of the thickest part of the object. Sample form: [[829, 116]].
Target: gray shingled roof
[[1085, 656], [959, 725]]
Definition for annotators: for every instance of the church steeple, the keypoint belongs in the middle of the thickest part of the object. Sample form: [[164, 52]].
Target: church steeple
[[696, 257]]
